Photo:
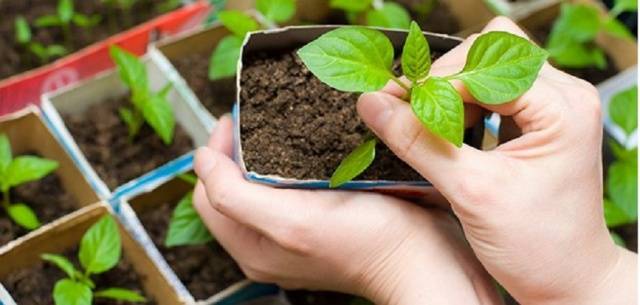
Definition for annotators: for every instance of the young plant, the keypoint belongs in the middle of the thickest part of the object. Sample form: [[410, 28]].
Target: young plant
[[146, 105], [24, 37], [621, 183], [186, 227], [571, 43], [500, 67], [65, 17], [168, 5], [100, 251], [119, 5], [224, 58], [16, 171], [380, 13]]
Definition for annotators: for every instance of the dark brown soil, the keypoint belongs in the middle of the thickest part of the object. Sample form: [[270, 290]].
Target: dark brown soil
[[439, 20], [217, 96], [46, 197], [304, 297], [15, 60], [34, 286], [103, 138], [205, 270]]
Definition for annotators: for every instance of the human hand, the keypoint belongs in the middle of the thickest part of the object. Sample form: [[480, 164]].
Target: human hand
[[383, 248], [531, 208]]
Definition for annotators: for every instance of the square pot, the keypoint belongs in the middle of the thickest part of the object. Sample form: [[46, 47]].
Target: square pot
[[102, 91], [65, 190], [293, 37], [66, 233]]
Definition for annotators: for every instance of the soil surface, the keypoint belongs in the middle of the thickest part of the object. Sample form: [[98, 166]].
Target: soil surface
[[104, 139], [47, 197], [34, 285], [304, 297], [205, 270], [294, 126], [217, 96], [15, 59]]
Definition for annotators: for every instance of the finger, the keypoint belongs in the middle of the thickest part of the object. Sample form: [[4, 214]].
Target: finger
[[222, 136]]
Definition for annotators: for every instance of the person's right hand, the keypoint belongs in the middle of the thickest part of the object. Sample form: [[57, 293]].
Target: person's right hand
[[532, 208]]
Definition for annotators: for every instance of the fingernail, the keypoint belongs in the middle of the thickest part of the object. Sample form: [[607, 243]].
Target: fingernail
[[375, 109], [205, 162]]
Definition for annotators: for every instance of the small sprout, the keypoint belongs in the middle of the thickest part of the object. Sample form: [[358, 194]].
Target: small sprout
[[500, 67], [24, 37], [168, 5], [100, 251], [65, 17], [146, 105], [186, 227], [16, 171], [379, 13]]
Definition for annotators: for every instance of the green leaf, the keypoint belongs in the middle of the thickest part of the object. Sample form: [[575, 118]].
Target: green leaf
[[132, 71], [85, 21], [354, 164], [134, 122], [186, 227], [416, 56], [614, 216], [27, 168], [188, 178], [22, 30], [238, 22], [55, 50], [352, 59], [100, 247], [623, 154], [5, 155], [65, 10], [276, 10], [157, 112], [224, 59], [61, 262], [577, 55], [47, 21], [439, 107], [120, 294], [621, 6], [617, 29], [69, 292], [617, 239], [623, 109], [23, 215], [501, 67], [354, 6], [576, 23], [390, 15], [622, 187]]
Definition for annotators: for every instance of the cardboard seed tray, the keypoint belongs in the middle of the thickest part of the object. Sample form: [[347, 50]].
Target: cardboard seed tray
[[99, 89], [66, 233]]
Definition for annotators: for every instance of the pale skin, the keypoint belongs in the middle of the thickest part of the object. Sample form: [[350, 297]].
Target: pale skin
[[531, 209]]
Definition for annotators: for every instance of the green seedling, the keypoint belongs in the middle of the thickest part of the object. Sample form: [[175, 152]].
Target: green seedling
[[65, 17], [186, 228], [168, 5], [119, 5], [380, 13], [225, 57], [23, 37], [100, 251], [571, 43], [16, 171], [499, 68], [146, 105]]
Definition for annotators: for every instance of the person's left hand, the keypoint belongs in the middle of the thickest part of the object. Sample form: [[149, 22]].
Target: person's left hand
[[383, 248]]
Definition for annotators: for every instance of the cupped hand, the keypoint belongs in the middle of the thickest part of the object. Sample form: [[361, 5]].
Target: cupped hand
[[386, 249], [531, 208]]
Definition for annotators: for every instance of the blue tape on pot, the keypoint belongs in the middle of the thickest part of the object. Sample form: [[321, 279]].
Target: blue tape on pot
[[248, 293]]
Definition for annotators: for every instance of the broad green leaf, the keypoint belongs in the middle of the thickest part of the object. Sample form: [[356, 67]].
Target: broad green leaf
[[85, 21], [132, 71], [276, 10], [120, 294], [352, 59], [577, 23], [157, 112], [188, 178], [28, 168], [238, 22], [164, 92], [617, 239], [23, 215], [621, 6], [56, 50], [501, 67], [61, 262], [577, 55], [622, 187], [47, 21], [65, 10], [224, 59], [100, 247], [5, 154], [439, 107], [22, 30], [354, 6], [355, 163], [623, 154], [133, 121], [416, 56], [614, 216], [390, 15], [623, 109], [39, 50], [186, 227], [616, 28], [69, 292]]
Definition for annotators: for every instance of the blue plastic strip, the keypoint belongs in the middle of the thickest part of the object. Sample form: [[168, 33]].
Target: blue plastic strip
[[251, 292]]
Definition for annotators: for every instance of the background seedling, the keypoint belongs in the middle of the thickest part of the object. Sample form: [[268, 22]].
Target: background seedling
[[186, 227], [16, 171], [380, 13], [147, 106], [122, 5], [24, 37], [225, 57], [500, 67], [100, 251], [65, 17], [571, 43]]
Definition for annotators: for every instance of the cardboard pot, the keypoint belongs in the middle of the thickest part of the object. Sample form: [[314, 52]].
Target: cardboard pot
[[65, 234], [28, 135], [100, 89]]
